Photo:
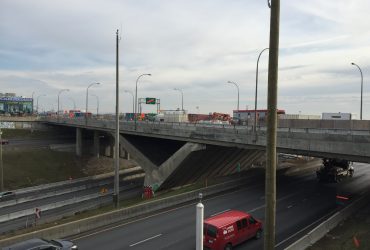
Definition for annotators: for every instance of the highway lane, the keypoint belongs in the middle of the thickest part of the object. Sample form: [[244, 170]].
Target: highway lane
[[302, 203]]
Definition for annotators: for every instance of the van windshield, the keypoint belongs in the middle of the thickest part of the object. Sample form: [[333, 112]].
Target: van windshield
[[211, 231]]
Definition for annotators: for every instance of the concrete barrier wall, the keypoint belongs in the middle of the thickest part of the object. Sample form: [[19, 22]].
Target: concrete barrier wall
[[321, 230], [91, 223]]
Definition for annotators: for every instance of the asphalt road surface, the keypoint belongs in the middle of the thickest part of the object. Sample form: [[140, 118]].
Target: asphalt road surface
[[302, 203]]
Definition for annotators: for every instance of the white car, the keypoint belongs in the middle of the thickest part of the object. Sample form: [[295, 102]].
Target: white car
[[7, 195], [36, 244]]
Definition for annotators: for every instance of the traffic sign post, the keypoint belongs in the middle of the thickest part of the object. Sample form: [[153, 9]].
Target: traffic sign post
[[150, 100], [37, 214]]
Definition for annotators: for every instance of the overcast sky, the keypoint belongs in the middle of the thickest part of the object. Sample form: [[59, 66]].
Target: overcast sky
[[194, 45]]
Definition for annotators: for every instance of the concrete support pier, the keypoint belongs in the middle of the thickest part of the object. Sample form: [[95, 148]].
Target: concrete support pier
[[156, 175], [78, 141], [96, 144]]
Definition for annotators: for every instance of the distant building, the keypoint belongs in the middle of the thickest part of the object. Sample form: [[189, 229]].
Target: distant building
[[172, 116], [337, 116], [15, 105], [248, 115], [300, 116]]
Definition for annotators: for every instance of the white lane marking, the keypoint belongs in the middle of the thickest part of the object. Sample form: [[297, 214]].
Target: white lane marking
[[142, 241], [290, 206], [178, 208], [257, 208], [156, 214], [220, 212]]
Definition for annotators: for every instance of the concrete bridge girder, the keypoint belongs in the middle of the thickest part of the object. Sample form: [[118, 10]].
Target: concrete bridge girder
[[156, 175]]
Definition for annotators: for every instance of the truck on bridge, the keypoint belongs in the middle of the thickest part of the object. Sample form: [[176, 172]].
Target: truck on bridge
[[334, 170]]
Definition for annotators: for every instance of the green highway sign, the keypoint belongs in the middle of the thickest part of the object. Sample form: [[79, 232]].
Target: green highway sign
[[150, 100]]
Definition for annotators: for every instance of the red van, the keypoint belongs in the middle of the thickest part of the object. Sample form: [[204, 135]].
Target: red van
[[230, 228]]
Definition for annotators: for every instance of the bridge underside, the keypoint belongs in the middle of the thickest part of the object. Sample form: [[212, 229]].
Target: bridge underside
[[169, 163]]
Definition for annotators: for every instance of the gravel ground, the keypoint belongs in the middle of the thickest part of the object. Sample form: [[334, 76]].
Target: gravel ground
[[353, 233]]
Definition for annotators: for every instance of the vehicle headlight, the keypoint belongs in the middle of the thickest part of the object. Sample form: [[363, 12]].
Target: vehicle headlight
[[74, 247]]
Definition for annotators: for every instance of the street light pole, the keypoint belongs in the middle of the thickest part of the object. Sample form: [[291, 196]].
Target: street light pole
[[236, 85], [133, 100], [97, 104], [87, 97], [60, 91], [255, 97], [182, 98], [32, 101], [37, 103], [362, 81], [137, 80], [116, 141]]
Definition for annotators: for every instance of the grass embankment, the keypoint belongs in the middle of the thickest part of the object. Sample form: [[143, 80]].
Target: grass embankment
[[30, 167], [353, 233], [25, 167], [29, 134]]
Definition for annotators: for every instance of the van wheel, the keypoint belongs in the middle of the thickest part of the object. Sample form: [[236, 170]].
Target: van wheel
[[258, 234], [228, 246]]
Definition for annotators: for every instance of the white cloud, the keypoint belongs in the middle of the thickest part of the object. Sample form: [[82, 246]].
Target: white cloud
[[194, 45]]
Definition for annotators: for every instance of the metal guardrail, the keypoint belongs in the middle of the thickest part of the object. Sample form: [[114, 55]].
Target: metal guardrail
[[29, 211], [62, 183], [74, 200]]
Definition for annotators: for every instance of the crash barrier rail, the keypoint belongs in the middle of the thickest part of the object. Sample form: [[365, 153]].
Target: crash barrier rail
[[52, 216], [66, 190], [84, 225], [62, 183], [74, 200], [321, 230]]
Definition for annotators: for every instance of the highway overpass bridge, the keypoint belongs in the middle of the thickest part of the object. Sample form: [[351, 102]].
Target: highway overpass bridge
[[174, 154]]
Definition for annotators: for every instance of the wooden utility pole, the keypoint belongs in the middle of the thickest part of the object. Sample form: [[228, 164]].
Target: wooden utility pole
[[116, 141], [270, 182]]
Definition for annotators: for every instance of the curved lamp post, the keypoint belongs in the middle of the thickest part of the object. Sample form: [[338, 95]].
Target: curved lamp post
[[236, 85], [137, 80], [97, 104], [182, 98], [255, 97], [37, 103], [60, 91], [87, 96], [133, 100], [32, 101], [362, 81]]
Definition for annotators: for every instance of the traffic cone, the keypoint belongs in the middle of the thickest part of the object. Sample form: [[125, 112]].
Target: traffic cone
[[356, 242]]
